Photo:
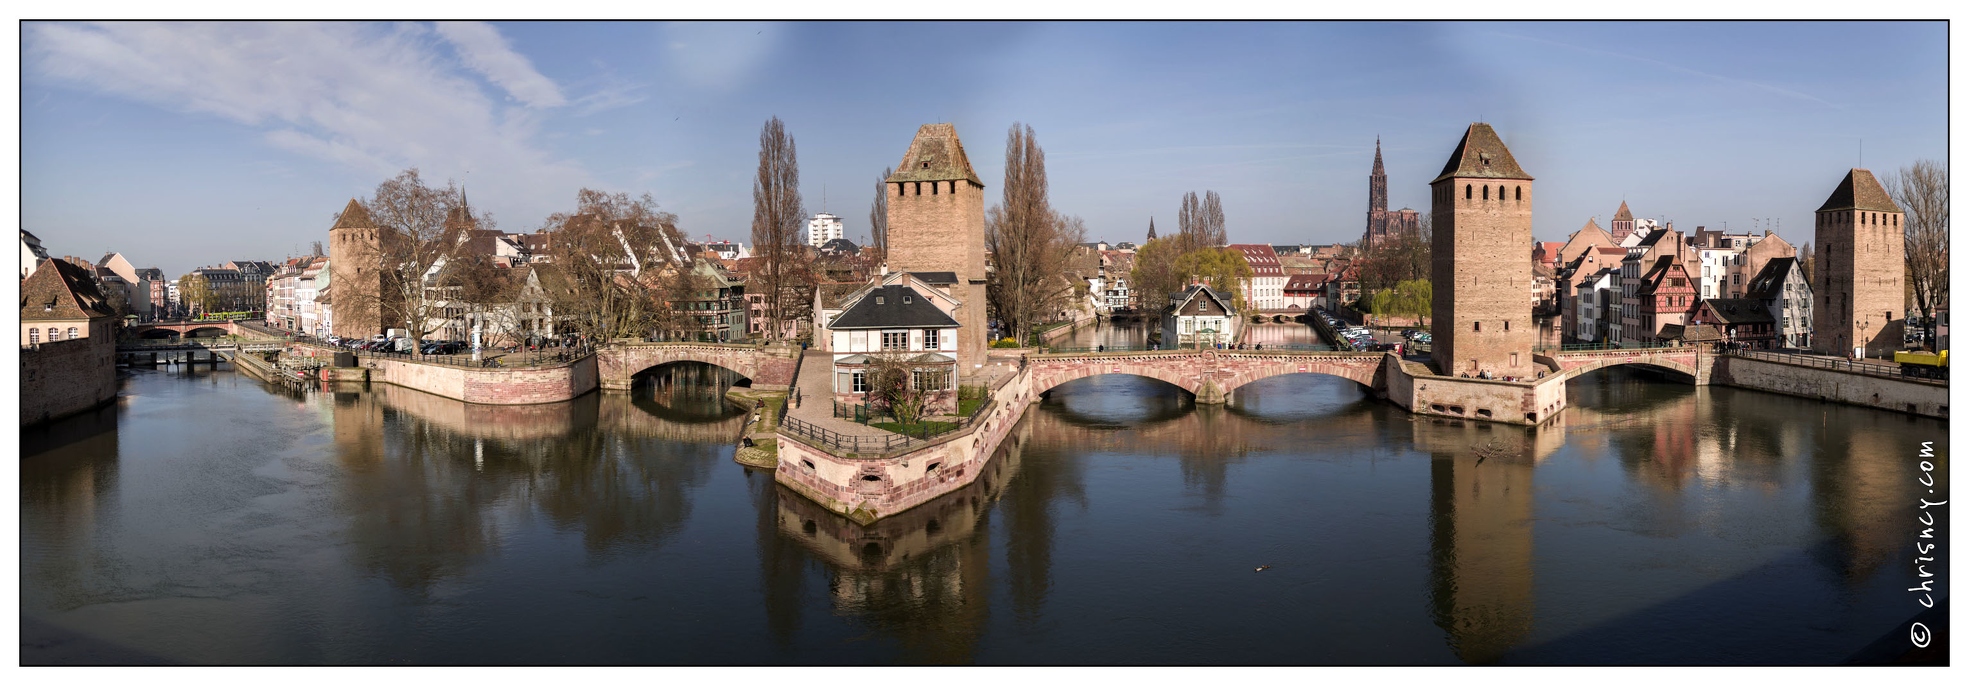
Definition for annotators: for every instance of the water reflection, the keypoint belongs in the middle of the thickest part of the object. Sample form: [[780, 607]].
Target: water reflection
[[211, 519], [921, 577]]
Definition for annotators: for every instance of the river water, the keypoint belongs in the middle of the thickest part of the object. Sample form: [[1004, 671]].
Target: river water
[[209, 518]]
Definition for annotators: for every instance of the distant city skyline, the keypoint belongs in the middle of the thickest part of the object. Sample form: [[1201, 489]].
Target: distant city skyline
[[245, 147]]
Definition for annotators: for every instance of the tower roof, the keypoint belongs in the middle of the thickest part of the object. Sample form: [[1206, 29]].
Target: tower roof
[[354, 217], [935, 155], [1860, 191], [1482, 155], [1378, 170], [1623, 214]]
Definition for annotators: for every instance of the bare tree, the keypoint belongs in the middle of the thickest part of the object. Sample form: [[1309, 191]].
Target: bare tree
[[878, 216], [1211, 221], [1921, 189], [422, 234], [776, 214], [318, 251], [1031, 245], [606, 259]]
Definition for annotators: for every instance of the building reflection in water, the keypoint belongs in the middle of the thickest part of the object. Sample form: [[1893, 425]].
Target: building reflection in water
[[1480, 531], [922, 577], [429, 479], [68, 473]]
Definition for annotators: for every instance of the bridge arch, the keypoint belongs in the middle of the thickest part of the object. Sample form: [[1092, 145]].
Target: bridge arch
[[1046, 381], [207, 332], [764, 366]]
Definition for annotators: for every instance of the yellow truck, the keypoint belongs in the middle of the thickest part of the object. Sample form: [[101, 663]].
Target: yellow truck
[[1924, 364]]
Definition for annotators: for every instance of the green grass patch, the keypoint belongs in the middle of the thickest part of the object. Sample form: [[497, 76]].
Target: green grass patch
[[965, 406]]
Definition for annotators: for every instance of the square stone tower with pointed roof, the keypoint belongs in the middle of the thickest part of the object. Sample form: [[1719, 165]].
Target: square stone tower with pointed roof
[[1861, 279], [1481, 278], [936, 224], [355, 268]]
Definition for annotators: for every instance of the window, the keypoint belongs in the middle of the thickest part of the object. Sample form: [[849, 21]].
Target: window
[[895, 340], [879, 300], [907, 300], [1477, 326], [1486, 192], [932, 379], [1519, 192], [930, 340], [72, 336], [860, 382], [1466, 191], [33, 336]]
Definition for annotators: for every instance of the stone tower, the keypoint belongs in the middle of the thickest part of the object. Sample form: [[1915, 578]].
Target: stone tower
[[1861, 284], [936, 224], [1481, 214], [1623, 223], [355, 273]]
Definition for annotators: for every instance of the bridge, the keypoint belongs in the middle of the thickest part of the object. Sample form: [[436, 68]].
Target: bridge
[[1211, 375], [1684, 362], [183, 328], [767, 366]]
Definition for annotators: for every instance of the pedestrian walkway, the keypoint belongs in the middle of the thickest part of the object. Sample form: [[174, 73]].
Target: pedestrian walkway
[[816, 407]]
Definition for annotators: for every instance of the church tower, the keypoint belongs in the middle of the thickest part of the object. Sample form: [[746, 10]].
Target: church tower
[[1481, 277], [1861, 284], [355, 273], [1377, 201], [1623, 223], [936, 224]]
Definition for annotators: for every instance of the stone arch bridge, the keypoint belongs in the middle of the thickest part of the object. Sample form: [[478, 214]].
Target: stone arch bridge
[[1683, 362], [182, 328], [770, 367], [1209, 374]]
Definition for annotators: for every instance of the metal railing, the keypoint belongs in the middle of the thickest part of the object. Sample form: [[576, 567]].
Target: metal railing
[[1881, 369], [923, 432], [1609, 345]]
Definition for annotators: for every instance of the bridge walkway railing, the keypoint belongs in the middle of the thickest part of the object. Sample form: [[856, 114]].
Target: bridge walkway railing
[[1835, 363]]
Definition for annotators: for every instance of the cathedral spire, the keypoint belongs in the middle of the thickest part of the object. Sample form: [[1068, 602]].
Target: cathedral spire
[[1377, 183], [1151, 228]]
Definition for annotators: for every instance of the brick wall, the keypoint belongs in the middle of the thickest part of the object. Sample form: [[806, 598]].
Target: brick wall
[[944, 232], [1480, 276], [66, 377], [1863, 273]]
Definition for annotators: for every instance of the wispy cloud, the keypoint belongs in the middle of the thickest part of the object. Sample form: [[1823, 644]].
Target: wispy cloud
[[482, 48], [375, 98], [1779, 90]]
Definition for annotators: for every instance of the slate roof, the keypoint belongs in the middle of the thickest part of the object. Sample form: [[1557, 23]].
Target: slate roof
[[840, 245], [936, 278], [1738, 310], [1768, 284], [1652, 281], [1860, 191], [892, 307], [354, 217], [60, 290], [1481, 154], [1183, 297], [935, 155], [1696, 333]]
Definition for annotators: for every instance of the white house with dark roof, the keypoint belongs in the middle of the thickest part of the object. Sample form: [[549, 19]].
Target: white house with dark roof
[[1199, 317], [910, 314]]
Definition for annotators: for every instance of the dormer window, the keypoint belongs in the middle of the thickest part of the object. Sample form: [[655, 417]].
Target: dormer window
[[879, 300], [907, 300]]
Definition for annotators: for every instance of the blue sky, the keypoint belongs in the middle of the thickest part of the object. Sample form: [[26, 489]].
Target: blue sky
[[184, 144]]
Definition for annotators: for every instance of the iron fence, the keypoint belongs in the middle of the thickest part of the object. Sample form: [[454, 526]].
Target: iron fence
[[1880, 369]]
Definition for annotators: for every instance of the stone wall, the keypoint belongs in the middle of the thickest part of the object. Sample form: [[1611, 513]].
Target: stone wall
[[901, 481], [497, 386], [66, 377], [1894, 395], [769, 367], [1481, 276], [1412, 386]]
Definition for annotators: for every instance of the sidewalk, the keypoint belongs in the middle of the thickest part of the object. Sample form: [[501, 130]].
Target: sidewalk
[[817, 397]]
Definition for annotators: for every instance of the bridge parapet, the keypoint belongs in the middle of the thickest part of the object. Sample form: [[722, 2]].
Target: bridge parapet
[[768, 366]]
